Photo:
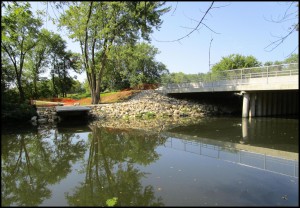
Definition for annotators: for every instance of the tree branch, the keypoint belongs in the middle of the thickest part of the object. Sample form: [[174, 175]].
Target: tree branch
[[286, 17], [195, 29], [174, 9], [279, 41]]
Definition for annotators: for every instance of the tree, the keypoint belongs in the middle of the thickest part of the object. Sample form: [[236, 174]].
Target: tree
[[235, 61], [294, 58], [129, 66], [61, 62], [7, 80], [100, 25], [77, 87], [38, 59], [19, 35]]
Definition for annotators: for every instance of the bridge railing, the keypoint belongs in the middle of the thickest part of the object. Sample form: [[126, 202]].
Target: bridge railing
[[238, 76]]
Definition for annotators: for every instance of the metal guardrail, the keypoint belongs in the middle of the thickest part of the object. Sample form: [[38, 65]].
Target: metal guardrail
[[239, 76]]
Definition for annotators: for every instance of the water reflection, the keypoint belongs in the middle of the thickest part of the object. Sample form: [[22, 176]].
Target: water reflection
[[110, 169], [279, 134], [199, 164], [33, 161], [217, 150]]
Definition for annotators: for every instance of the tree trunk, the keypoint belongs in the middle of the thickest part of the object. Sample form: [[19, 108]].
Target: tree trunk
[[35, 93], [20, 88]]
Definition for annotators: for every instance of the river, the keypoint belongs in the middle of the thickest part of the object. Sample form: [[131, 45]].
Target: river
[[224, 161]]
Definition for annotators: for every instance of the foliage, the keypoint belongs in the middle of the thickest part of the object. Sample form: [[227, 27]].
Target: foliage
[[111, 202], [77, 87], [235, 61], [25, 55], [130, 66], [37, 60], [19, 35], [180, 77], [293, 58], [16, 112], [98, 26]]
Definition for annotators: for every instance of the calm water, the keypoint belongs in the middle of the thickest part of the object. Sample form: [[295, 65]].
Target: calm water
[[216, 162]]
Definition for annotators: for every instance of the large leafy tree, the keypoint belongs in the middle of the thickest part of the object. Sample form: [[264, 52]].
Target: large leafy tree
[[61, 62], [235, 61], [19, 33], [37, 60], [129, 66], [98, 26]]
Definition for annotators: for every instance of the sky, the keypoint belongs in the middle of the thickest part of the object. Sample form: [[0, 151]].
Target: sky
[[244, 28]]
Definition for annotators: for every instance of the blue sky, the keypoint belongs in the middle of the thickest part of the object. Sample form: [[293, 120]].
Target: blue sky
[[243, 26]]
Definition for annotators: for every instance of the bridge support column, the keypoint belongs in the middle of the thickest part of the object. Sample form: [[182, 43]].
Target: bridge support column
[[284, 103], [297, 104], [279, 103], [252, 105], [246, 104], [264, 104], [295, 98], [274, 103], [269, 103], [290, 103], [259, 104]]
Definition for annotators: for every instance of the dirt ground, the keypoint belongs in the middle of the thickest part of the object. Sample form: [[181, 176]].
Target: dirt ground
[[116, 97]]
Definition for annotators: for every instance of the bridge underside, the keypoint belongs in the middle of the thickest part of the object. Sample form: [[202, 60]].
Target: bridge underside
[[271, 103]]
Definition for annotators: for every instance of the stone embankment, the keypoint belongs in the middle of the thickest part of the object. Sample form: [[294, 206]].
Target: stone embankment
[[141, 107], [45, 115], [149, 104]]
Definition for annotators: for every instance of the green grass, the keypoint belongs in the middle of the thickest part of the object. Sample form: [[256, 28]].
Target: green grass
[[87, 95], [107, 94], [78, 96]]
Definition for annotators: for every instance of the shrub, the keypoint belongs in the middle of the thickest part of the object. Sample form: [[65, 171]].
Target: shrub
[[17, 112]]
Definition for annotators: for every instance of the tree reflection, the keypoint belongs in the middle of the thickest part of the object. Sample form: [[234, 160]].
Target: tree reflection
[[111, 169], [32, 161]]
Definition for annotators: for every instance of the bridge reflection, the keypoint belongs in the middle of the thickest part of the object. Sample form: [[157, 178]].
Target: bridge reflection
[[209, 148]]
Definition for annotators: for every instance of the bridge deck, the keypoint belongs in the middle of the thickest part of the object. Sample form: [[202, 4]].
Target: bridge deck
[[253, 84]]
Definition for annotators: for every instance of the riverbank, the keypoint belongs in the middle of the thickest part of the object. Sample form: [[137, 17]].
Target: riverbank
[[153, 111], [151, 104], [140, 108]]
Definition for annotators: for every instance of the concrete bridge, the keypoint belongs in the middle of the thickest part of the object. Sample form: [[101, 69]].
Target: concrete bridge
[[70, 112], [267, 91]]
